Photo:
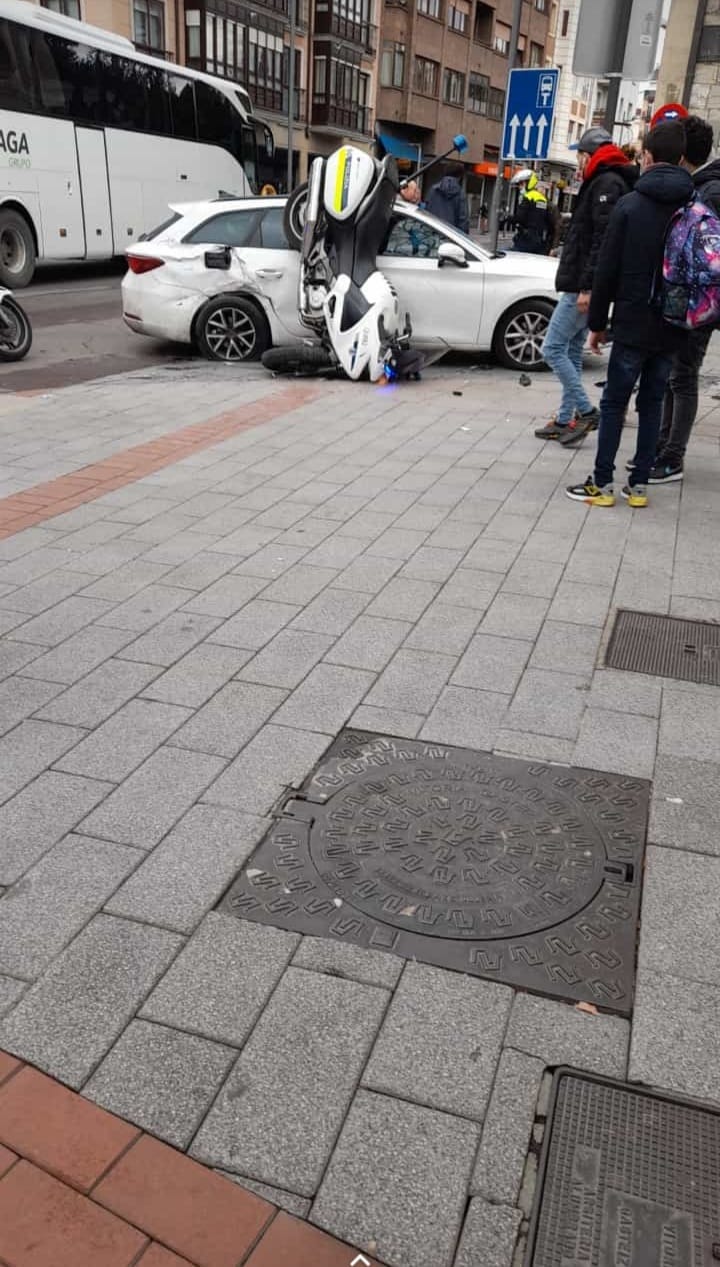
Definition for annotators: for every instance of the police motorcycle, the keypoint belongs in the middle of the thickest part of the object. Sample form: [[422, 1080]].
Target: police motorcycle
[[15, 328], [339, 221]]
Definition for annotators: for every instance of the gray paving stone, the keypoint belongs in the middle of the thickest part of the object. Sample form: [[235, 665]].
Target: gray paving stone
[[577, 604], [537, 577], [515, 616], [492, 664], [125, 581], [685, 805], [560, 1035], [124, 741], [403, 599], [398, 543], [256, 624], [15, 655], [190, 869], [625, 693], [680, 926], [161, 1080], [441, 1041], [68, 1021], [146, 608], [12, 620], [369, 643], [412, 681], [451, 534], [624, 743], [468, 587], [225, 596], [430, 563], [299, 1206], [371, 967], [287, 659], [278, 1116], [398, 1181], [548, 704], [82, 653], [574, 648], [171, 639], [151, 800], [325, 700], [194, 679], [514, 743], [62, 621], [387, 721], [466, 718], [96, 697], [48, 590], [230, 719], [272, 560], [222, 980], [676, 1037], [34, 820], [11, 992], [489, 1235], [300, 584], [20, 697], [368, 574], [444, 628], [508, 1125], [29, 749], [277, 759], [200, 571], [55, 899], [689, 727]]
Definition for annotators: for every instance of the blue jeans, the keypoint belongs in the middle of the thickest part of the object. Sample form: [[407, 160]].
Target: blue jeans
[[562, 350], [624, 367]]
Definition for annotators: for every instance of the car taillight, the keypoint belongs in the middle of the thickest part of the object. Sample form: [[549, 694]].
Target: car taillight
[[143, 263]]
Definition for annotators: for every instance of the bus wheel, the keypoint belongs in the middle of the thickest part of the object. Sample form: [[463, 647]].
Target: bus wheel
[[231, 329], [17, 250]]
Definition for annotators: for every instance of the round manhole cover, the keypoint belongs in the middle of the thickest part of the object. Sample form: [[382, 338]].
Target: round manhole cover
[[456, 852]]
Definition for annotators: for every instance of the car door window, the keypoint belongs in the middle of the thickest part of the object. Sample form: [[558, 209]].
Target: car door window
[[411, 236], [230, 228], [272, 231]]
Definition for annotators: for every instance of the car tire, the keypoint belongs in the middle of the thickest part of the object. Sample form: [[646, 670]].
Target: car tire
[[302, 358], [17, 250], [231, 329], [519, 335], [294, 216]]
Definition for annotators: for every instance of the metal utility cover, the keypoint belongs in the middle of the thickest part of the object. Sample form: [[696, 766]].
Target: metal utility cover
[[665, 646], [628, 1178], [523, 873]]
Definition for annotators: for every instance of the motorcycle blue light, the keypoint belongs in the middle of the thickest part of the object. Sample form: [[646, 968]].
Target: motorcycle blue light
[[460, 143]]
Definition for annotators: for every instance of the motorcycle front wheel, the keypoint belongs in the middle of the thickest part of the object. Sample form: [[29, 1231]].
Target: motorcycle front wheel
[[303, 358], [294, 216], [15, 331]]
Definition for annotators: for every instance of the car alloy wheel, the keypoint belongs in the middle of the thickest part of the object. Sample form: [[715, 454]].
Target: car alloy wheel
[[524, 336], [231, 335]]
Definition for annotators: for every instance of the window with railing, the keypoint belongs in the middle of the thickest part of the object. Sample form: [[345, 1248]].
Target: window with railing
[[709, 49], [348, 19], [484, 23], [430, 8], [501, 41], [478, 89], [496, 103], [459, 16], [68, 8], [453, 87], [536, 54], [340, 93], [392, 65], [425, 77], [149, 24]]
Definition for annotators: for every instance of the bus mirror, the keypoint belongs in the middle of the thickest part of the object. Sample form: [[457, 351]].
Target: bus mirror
[[269, 142], [220, 258]]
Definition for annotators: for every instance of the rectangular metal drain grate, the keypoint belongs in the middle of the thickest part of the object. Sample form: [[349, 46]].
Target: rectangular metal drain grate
[[628, 1178], [665, 646], [511, 870]]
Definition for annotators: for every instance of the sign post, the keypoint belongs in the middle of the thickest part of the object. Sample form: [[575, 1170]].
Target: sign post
[[497, 192]]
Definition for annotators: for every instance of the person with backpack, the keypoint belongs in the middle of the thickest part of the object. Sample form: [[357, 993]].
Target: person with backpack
[[606, 174], [447, 201], [681, 398], [643, 341]]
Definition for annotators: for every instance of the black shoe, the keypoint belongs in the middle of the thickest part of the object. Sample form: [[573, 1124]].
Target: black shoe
[[666, 473], [580, 426]]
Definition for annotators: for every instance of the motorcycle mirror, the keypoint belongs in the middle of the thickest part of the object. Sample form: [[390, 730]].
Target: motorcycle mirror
[[460, 143]]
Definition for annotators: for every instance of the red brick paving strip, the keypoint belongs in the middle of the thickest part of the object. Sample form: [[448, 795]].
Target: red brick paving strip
[[7, 1159], [42, 501], [292, 1243], [8, 1065], [156, 1256]]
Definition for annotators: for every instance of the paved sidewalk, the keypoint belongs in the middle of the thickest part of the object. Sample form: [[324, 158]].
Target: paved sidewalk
[[177, 652]]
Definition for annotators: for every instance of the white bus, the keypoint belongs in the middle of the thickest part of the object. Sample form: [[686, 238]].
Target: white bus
[[96, 139]]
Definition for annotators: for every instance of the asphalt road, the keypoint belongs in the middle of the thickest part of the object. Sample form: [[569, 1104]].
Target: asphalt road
[[78, 331]]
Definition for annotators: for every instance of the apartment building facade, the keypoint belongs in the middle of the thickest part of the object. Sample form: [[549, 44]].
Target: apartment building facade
[[690, 66]]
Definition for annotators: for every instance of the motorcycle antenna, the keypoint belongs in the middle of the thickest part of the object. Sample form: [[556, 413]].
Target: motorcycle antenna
[[460, 143]]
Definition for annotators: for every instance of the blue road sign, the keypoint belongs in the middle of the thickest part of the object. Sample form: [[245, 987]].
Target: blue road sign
[[529, 107]]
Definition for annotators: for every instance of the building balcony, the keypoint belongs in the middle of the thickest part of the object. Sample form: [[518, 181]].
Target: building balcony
[[166, 54], [341, 116], [329, 22], [271, 99]]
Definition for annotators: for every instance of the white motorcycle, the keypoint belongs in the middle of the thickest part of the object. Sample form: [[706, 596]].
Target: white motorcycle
[[15, 328], [339, 222]]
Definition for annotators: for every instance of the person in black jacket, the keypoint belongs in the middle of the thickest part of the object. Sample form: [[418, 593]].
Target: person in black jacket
[[447, 201], [607, 174], [681, 397], [533, 221], [643, 344]]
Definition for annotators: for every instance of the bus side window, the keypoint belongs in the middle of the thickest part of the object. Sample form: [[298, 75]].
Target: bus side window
[[182, 107], [218, 122], [17, 77]]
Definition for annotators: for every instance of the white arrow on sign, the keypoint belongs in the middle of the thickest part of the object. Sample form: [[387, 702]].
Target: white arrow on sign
[[528, 125], [542, 124], [514, 125]]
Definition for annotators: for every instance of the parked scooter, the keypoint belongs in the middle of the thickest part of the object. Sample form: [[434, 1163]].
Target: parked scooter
[[15, 328], [339, 222]]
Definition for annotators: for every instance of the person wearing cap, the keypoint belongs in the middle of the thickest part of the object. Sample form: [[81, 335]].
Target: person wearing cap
[[606, 176], [667, 113]]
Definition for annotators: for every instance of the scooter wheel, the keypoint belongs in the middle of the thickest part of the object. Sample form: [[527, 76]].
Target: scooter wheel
[[300, 359], [294, 216], [15, 331]]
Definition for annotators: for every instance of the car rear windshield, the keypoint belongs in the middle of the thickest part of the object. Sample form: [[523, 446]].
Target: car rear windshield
[[166, 224]]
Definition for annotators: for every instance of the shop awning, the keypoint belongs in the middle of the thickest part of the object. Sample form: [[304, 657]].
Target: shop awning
[[399, 148]]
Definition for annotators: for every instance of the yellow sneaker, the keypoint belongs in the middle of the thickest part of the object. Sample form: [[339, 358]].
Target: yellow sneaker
[[590, 494], [635, 495]]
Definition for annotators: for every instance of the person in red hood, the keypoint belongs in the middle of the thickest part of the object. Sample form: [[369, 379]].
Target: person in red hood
[[607, 174]]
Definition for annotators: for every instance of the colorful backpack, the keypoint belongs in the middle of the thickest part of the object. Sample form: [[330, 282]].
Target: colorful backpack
[[689, 291]]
